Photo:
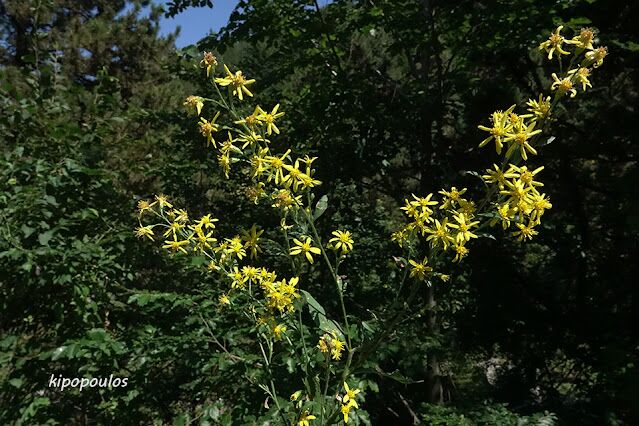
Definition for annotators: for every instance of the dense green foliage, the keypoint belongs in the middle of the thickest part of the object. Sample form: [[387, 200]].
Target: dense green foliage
[[387, 94]]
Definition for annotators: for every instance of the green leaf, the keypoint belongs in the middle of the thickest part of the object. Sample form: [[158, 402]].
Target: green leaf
[[16, 383], [45, 237], [320, 207], [313, 305], [319, 315], [27, 230], [198, 260]]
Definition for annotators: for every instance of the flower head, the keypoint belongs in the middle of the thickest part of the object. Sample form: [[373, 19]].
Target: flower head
[[236, 82], [306, 248], [224, 300], [420, 269], [525, 231], [581, 75], [596, 57], [463, 227], [350, 394], [563, 86], [207, 128], [209, 61], [500, 126], [194, 104], [145, 231], [341, 241], [251, 238], [554, 43], [304, 419], [540, 109], [519, 137], [269, 118], [584, 39]]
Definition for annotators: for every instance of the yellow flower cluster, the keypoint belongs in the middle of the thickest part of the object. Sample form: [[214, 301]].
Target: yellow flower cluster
[[448, 227], [331, 344], [512, 197], [514, 129], [592, 58], [185, 236], [280, 178], [348, 401], [519, 200]]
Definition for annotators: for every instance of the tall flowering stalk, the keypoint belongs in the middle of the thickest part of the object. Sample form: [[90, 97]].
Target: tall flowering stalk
[[441, 227]]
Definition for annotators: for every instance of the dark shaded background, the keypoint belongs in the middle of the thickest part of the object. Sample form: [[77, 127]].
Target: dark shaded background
[[388, 95]]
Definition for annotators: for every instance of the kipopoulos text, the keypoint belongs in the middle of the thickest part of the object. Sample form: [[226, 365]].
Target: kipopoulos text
[[63, 383]]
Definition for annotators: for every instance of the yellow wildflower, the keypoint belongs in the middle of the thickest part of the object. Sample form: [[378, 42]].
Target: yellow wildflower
[[420, 269], [440, 235], [144, 205], [206, 222], [163, 202], [581, 75], [322, 345], [193, 104], [145, 231], [517, 190], [506, 213], [306, 248], [224, 300], [277, 166], [584, 39], [539, 205], [341, 241], [213, 266], [203, 241], [269, 119], [207, 128], [304, 419], [554, 44], [350, 394], [563, 86], [501, 125], [278, 330], [540, 109], [463, 227], [338, 348], [174, 228], [251, 121], [346, 408], [237, 83], [284, 198], [460, 252], [224, 161], [451, 197], [498, 176], [235, 247], [596, 57], [238, 280], [520, 136], [400, 237], [176, 245], [525, 231], [251, 237], [209, 61]]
